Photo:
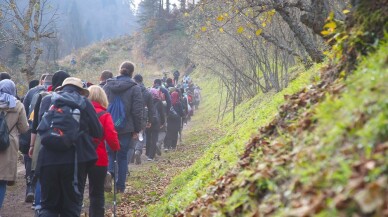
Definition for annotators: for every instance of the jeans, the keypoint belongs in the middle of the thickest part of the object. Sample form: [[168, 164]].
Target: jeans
[[3, 188], [37, 195], [122, 160], [96, 176], [58, 195], [140, 144]]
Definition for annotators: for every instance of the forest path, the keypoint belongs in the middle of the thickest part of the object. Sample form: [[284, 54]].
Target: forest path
[[146, 184]]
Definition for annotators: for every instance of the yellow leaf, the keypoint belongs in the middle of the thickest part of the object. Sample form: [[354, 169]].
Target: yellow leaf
[[221, 29], [258, 32], [186, 14], [263, 24], [330, 25], [203, 29], [346, 11], [325, 32], [240, 29], [220, 18], [271, 12]]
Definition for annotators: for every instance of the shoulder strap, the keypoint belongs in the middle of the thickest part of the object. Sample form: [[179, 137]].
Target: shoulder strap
[[101, 113]]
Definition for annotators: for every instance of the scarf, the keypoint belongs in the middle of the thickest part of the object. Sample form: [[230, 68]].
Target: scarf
[[7, 94]]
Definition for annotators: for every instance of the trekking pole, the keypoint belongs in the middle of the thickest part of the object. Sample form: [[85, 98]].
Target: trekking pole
[[114, 183]]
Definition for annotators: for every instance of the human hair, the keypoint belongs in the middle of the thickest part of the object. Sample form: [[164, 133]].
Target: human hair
[[127, 68], [158, 82], [105, 75], [33, 84], [138, 78], [97, 94], [4, 75]]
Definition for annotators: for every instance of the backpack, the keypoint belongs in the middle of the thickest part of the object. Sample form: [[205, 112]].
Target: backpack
[[59, 128], [156, 115], [173, 114], [25, 138], [4, 132], [117, 111]]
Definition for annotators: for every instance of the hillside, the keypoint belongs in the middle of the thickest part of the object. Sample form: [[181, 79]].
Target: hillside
[[317, 147]]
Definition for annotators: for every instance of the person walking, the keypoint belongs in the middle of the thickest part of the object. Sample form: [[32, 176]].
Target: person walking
[[174, 122], [147, 117], [97, 173], [124, 94], [12, 112], [63, 171], [157, 122], [105, 75]]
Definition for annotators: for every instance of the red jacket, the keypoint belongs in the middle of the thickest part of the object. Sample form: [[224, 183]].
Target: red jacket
[[110, 136]]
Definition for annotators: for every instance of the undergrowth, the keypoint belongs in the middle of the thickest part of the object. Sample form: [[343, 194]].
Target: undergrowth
[[223, 154]]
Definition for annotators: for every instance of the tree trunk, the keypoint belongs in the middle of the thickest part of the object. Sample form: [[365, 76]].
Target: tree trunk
[[313, 51]]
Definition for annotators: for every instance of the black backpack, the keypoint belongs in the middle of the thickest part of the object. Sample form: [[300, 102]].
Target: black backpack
[[156, 115], [4, 132], [59, 128]]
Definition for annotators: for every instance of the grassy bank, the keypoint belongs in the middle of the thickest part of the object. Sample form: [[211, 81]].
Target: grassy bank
[[221, 155]]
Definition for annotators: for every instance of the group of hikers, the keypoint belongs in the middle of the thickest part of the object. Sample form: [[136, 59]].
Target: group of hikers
[[69, 130]]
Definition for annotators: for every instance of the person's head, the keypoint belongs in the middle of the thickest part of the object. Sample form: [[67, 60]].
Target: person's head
[[127, 68], [157, 82], [138, 78], [58, 79], [97, 94], [48, 80], [169, 81], [33, 84], [4, 75], [75, 82], [105, 75], [8, 86]]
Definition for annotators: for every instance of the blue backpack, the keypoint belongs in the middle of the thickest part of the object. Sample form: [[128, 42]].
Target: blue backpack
[[117, 111]]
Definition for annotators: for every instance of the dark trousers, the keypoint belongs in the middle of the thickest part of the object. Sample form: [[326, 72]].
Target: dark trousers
[[152, 134], [173, 128], [176, 79], [29, 175], [58, 195], [96, 176]]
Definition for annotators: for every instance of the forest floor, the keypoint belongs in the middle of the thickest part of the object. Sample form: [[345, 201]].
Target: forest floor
[[146, 183]]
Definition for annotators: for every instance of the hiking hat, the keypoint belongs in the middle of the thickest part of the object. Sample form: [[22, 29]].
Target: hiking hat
[[75, 82]]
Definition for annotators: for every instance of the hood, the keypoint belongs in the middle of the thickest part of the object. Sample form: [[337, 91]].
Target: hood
[[120, 84]]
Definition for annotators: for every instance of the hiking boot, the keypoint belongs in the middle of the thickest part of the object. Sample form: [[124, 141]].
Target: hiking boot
[[150, 159], [108, 182], [30, 194], [137, 157], [158, 152]]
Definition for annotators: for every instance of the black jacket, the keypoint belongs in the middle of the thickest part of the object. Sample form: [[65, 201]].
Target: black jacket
[[130, 94], [86, 149], [147, 99]]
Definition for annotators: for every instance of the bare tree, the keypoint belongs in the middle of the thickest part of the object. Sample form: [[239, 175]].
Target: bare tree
[[26, 27]]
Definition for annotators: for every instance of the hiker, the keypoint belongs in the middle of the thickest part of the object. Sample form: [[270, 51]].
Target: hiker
[[176, 75], [105, 75], [197, 97], [173, 122], [158, 85], [98, 172], [147, 117], [25, 138], [157, 122], [34, 146], [63, 166], [12, 116], [126, 100], [169, 83]]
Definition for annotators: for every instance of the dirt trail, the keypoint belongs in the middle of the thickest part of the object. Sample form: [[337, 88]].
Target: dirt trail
[[169, 164]]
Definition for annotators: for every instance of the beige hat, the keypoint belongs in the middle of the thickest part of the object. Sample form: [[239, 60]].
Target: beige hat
[[75, 82]]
